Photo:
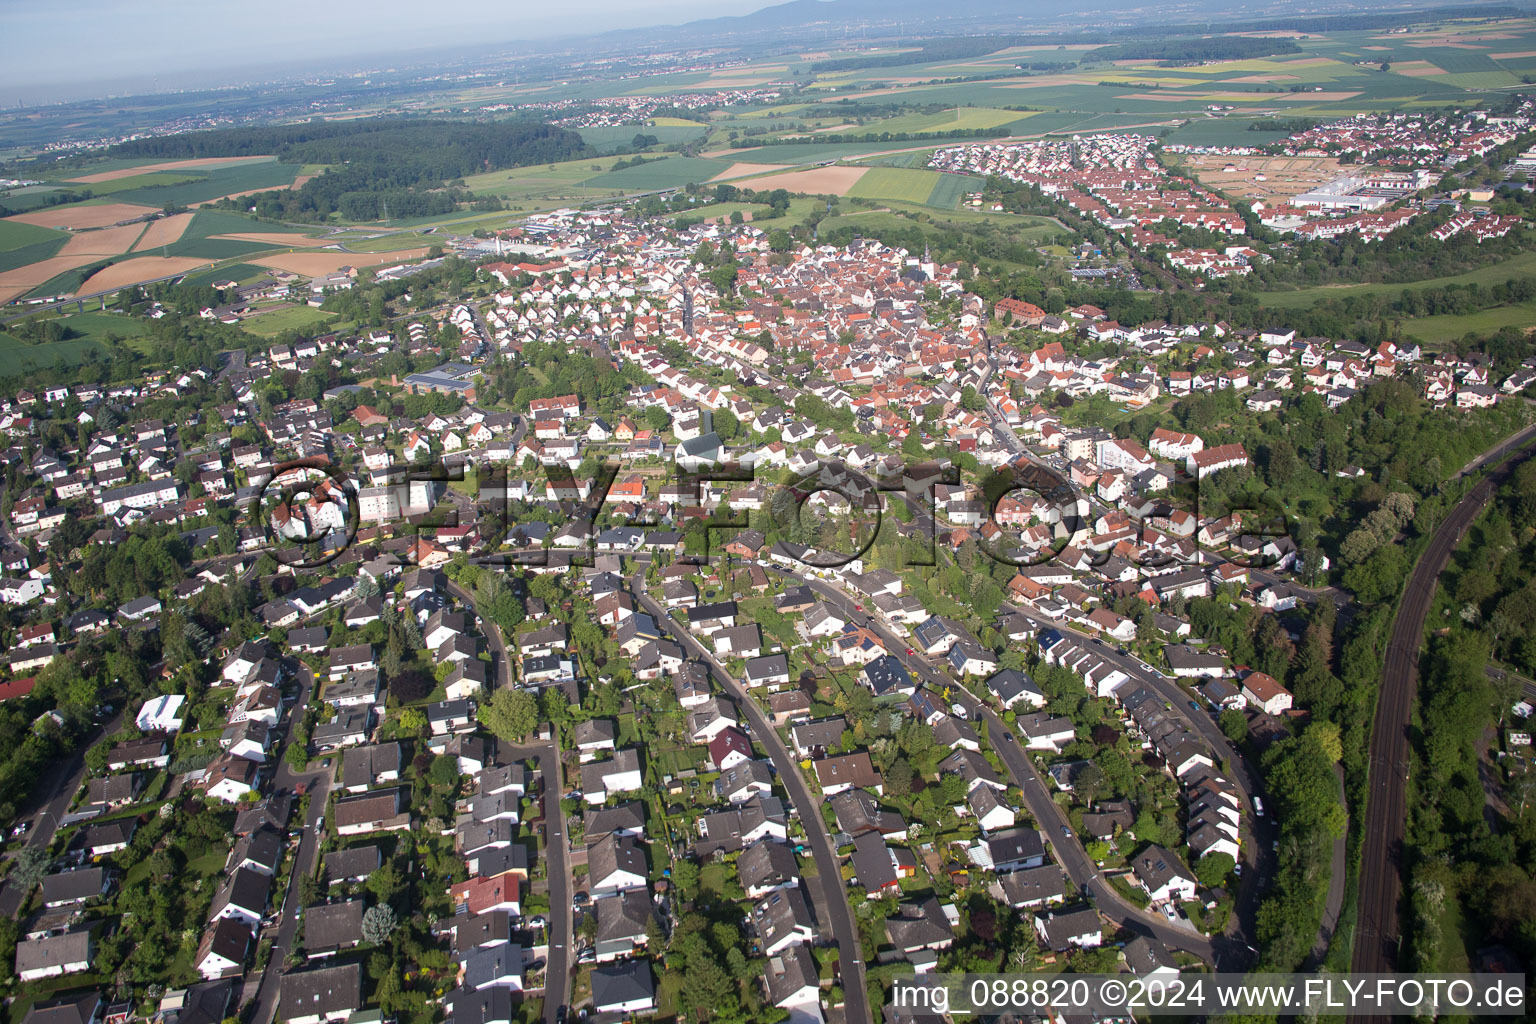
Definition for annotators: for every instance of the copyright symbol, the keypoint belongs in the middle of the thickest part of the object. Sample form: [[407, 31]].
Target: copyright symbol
[[303, 502], [1112, 993]]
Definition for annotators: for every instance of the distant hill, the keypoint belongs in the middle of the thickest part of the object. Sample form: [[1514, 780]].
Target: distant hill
[[805, 22]]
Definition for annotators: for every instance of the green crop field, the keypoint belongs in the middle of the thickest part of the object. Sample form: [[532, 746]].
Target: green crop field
[[672, 172], [1032, 229], [216, 183], [819, 152], [1459, 61], [206, 223], [26, 255], [25, 200], [14, 234], [67, 282], [216, 248], [950, 188], [25, 244], [1496, 79], [289, 318], [799, 208], [153, 179], [896, 183], [395, 242], [241, 272], [610, 140]]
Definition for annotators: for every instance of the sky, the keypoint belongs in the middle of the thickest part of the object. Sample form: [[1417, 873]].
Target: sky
[[102, 47]]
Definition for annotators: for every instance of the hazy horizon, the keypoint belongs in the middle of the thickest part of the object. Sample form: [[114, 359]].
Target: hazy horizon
[[110, 48]]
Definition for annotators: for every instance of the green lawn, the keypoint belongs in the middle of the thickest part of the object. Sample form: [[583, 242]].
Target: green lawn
[[1436, 329], [98, 325], [289, 318], [1496, 273]]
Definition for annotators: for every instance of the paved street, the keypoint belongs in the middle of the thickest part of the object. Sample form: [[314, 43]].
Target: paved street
[[58, 787], [318, 782], [557, 974], [558, 968], [826, 891], [1069, 851]]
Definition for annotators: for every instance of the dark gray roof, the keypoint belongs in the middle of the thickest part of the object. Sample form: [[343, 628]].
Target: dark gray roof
[[321, 991], [333, 925], [616, 984]]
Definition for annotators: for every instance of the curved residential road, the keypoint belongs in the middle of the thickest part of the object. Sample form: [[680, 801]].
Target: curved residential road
[[557, 970], [826, 892], [1381, 883], [56, 790], [1227, 952]]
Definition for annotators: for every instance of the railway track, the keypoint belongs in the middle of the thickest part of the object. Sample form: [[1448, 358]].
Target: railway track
[[1378, 935]]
